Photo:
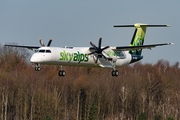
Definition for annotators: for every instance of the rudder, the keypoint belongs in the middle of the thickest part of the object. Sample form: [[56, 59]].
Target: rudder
[[138, 37]]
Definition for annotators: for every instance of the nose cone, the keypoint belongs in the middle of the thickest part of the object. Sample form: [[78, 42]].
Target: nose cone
[[35, 58]]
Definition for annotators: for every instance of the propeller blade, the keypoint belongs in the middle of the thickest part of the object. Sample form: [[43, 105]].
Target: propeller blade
[[41, 42], [92, 53], [97, 59], [93, 45], [104, 57], [100, 40], [49, 43], [105, 48]]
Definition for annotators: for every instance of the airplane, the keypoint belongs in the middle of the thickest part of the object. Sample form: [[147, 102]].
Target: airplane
[[94, 56]]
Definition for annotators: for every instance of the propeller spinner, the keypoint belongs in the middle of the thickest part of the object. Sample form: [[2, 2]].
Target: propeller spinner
[[98, 49]]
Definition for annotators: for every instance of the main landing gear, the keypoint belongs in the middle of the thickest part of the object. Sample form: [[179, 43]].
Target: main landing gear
[[115, 73], [61, 72]]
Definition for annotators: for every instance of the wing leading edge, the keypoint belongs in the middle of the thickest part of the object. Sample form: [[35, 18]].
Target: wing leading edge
[[22, 46]]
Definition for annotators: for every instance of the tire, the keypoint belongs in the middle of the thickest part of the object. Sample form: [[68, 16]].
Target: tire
[[62, 73], [115, 73]]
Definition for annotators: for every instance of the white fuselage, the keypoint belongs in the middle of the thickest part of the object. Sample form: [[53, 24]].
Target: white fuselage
[[77, 56]]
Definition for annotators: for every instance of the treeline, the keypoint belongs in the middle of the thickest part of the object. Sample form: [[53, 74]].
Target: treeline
[[140, 92]]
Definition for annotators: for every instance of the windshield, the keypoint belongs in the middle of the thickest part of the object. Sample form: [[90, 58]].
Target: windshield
[[42, 51]]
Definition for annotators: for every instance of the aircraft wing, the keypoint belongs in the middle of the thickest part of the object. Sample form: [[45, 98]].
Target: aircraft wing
[[22, 46], [125, 48]]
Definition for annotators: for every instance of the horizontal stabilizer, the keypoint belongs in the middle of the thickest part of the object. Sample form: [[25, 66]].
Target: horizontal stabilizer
[[141, 25], [125, 48]]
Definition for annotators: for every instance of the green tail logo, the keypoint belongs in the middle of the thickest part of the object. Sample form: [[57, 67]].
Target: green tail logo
[[138, 39]]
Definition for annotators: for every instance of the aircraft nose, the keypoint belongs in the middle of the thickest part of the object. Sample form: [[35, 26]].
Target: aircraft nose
[[35, 59]]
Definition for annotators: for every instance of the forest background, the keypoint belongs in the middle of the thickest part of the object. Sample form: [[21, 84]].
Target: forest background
[[140, 92]]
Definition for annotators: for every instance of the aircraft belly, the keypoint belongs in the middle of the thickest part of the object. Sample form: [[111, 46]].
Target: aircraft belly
[[75, 63]]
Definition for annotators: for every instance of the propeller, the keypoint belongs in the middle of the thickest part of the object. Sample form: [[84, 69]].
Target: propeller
[[42, 43], [98, 49], [49, 43]]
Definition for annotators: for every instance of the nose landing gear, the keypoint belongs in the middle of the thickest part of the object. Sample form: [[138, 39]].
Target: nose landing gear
[[37, 67]]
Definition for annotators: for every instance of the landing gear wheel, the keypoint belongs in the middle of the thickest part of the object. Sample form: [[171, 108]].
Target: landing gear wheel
[[37, 68], [115, 73], [62, 73]]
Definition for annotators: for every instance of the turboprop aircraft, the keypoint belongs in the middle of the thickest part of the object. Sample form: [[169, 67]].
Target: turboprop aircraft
[[94, 56]]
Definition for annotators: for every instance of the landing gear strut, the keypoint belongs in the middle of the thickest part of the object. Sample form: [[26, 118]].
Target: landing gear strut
[[61, 72], [115, 73], [37, 67]]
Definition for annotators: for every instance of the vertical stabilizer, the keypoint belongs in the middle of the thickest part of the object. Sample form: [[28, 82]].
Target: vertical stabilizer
[[138, 38], [139, 35]]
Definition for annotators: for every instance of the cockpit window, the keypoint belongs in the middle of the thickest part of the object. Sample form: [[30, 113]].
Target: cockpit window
[[48, 51], [41, 51], [36, 51]]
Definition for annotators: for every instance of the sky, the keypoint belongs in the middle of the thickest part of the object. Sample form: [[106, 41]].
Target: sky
[[76, 22]]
